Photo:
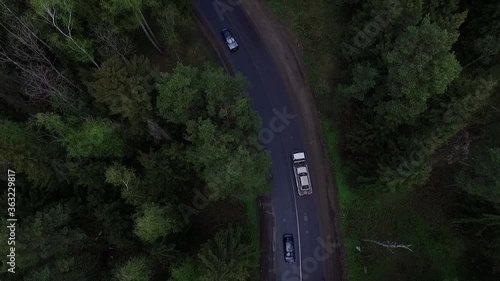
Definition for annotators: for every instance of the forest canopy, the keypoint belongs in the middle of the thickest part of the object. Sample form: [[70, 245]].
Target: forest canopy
[[420, 87], [112, 129]]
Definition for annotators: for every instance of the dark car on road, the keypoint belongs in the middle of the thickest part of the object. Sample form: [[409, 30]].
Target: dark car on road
[[288, 248], [229, 40]]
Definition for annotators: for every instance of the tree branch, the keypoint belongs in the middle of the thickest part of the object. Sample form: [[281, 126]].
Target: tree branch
[[51, 19]]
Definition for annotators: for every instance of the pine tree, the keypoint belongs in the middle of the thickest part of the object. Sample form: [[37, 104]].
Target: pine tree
[[125, 87], [136, 269], [155, 222], [129, 183], [226, 257], [482, 177], [364, 78], [23, 152], [413, 168], [419, 67], [92, 138], [179, 95], [185, 272]]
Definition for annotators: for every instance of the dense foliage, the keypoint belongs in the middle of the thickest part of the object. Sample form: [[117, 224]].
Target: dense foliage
[[422, 85], [122, 151]]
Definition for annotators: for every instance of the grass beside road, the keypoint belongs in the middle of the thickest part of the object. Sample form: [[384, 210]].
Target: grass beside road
[[253, 232], [314, 25], [406, 218], [253, 223], [347, 198]]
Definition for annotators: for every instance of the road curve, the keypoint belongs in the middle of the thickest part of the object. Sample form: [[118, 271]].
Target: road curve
[[281, 134]]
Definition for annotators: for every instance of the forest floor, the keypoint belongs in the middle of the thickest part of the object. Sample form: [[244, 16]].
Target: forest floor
[[285, 50]]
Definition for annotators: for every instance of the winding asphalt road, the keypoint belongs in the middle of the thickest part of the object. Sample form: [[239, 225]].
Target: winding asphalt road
[[281, 135]]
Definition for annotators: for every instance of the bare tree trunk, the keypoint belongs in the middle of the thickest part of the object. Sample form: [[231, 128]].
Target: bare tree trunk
[[157, 132], [147, 30], [145, 27], [22, 31], [41, 79], [111, 43], [151, 39], [51, 19], [145, 22], [473, 62], [389, 245], [486, 219]]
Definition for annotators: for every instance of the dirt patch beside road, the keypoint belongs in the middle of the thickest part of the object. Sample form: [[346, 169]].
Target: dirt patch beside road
[[266, 220], [285, 51]]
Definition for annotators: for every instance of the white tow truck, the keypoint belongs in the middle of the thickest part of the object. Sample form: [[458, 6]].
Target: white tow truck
[[301, 174]]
